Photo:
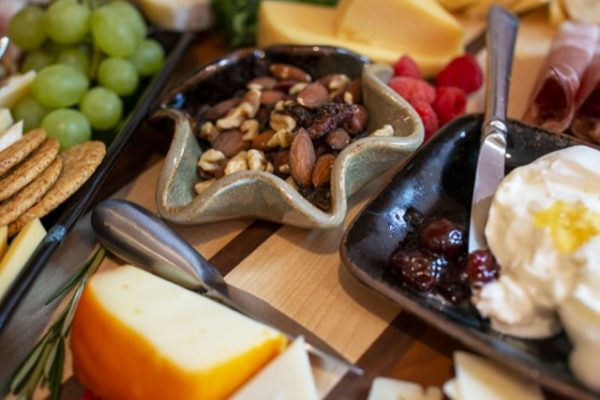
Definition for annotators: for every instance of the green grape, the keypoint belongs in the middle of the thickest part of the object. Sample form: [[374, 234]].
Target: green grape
[[102, 107], [58, 86], [133, 16], [119, 75], [112, 33], [74, 57], [30, 111], [148, 58], [68, 126], [67, 22], [26, 29], [36, 60]]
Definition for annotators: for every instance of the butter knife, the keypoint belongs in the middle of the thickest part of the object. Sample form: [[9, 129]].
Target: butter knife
[[142, 239], [501, 36]]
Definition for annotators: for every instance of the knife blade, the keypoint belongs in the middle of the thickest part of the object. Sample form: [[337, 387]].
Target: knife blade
[[501, 36], [142, 239]]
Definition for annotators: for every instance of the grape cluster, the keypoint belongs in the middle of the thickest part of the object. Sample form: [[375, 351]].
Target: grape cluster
[[86, 60]]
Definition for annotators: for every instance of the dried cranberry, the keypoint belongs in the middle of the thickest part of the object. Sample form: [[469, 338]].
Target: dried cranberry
[[417, 269], [482, 268], [301, 115], [443, 237]]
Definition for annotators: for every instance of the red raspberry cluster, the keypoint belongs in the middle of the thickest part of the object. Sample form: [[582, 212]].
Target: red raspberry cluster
[[448, 99]]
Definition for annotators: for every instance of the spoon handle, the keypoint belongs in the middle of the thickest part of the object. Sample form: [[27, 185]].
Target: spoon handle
[[140, 238], [501, 36]]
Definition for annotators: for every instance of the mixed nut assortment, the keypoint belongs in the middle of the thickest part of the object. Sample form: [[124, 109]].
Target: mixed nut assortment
[[286, 123]]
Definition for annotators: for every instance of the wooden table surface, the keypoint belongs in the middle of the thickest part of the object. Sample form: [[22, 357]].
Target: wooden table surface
[[296, 270]]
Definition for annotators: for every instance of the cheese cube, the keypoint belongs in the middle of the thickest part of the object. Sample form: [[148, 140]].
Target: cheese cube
[[19, 252], [137, 336], [288, 377]]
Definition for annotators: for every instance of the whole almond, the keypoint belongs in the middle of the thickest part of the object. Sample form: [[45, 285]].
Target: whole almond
[[358, 122], [302, 158], [260, 141], [271, 97], [284, 72], [321, 174], [230, 142], [338, 139], [262, 83], [221, 108], [314, 95]]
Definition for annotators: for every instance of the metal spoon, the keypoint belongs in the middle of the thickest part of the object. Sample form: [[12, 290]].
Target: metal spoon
[[4, 41], [142, 239]]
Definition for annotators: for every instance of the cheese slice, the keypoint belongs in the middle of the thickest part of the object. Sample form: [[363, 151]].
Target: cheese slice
[[392, 389], [479, 378], [179, 15], [288, 377], [6, 120], [19, 252], [412, 26], [137, 336], [15, 88], [11, 135], [296, 23], [3, 241]]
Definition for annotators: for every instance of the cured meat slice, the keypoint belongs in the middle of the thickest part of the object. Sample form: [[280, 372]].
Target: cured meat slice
[[586, 124], [552, 105]]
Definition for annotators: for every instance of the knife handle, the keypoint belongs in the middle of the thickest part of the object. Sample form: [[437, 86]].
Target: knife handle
[[142, 239], [500, 38]]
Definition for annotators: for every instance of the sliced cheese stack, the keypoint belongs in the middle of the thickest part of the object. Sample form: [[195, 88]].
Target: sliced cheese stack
[[288, 377], [382, 30], [137, 336], [18, 253]]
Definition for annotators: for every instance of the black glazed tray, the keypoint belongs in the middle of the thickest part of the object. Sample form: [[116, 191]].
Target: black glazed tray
[[59, 222], [438, 181]]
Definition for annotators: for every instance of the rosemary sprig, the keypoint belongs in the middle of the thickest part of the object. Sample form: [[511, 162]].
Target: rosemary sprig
[[43, 366]]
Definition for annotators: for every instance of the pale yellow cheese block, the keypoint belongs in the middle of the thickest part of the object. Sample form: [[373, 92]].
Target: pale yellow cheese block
[[391, 389], [15, 88], [3, 241], [416, 27], [137, 336], [19, 252], [294, 23]]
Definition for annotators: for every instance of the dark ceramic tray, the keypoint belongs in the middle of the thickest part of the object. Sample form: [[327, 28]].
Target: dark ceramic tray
[[60, 221], [438, 181]]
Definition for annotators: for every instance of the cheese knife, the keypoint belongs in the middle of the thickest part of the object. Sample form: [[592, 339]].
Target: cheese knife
[[501, 37], [135, 235]]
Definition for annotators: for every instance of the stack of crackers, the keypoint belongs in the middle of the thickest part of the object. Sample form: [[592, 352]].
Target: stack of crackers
[[35, 178]]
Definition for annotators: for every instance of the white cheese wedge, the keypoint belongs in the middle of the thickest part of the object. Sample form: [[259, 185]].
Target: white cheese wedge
[[179, 15], [6, 119], [288, 377], [19, 252], [451, 390], [15, 88], [479, 378], [393, 389], [137, 336], [3, 241], [11, 135]]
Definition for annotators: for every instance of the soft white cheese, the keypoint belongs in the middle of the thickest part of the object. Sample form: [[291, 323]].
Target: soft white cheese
[[393, 389]]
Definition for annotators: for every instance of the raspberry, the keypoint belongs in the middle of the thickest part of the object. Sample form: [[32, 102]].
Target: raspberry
[[463, 72], [406, 66], [412, 89], [429, 118], [450, 102]]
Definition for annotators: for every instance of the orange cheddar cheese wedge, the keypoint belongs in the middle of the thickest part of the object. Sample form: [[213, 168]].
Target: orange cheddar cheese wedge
[[137, 336]]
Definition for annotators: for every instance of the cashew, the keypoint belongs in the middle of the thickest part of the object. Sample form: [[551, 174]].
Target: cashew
[[237, 163], [250, 129], [386, 130], [281, 138], [209, 161]]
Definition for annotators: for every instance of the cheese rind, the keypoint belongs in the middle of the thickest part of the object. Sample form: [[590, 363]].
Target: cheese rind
[[137, 336], [19, 252], [296, 23], [288, 377]]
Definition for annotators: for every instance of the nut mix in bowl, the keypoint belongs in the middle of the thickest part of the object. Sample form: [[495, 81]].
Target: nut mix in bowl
[[285, 134]]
